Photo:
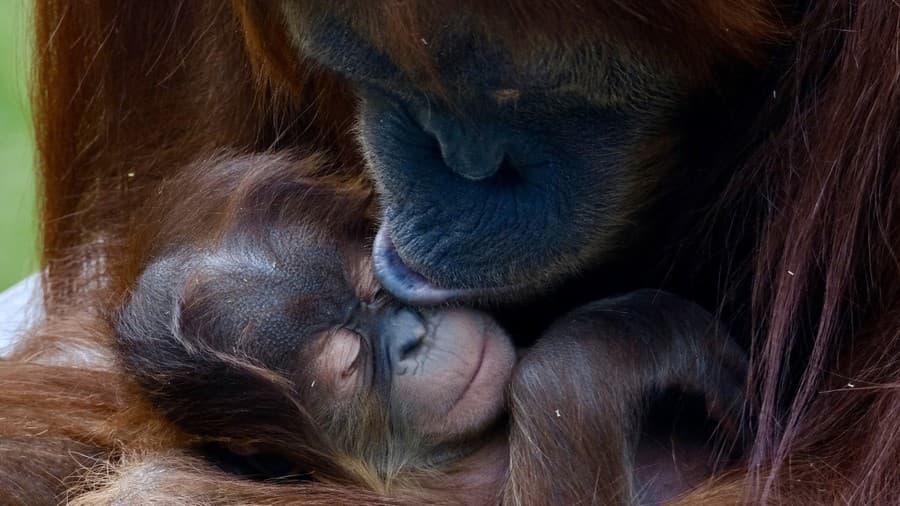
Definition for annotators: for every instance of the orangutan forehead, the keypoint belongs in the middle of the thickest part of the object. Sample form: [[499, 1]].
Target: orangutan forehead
[[458, 58], [418, 36]]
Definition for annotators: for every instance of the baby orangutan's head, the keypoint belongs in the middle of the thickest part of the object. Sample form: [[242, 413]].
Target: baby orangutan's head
[[275, 339]]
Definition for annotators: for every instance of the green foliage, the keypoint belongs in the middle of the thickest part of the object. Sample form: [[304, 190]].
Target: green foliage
[[18, 220]]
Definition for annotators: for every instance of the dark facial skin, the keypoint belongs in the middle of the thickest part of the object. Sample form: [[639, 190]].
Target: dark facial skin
[[516, 174]]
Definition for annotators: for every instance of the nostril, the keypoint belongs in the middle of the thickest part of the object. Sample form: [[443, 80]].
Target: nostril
[[410, 347], [407, 334], [469, 153], [473, 162], [508, 172]]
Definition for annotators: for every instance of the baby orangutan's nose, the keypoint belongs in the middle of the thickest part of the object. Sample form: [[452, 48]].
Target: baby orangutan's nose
[[404, 331]]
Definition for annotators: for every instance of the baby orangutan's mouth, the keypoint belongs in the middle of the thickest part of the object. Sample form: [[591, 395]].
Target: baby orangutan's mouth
[[475, 371]]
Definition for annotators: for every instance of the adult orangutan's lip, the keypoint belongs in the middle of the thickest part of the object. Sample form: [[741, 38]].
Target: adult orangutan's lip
[[406, 284]]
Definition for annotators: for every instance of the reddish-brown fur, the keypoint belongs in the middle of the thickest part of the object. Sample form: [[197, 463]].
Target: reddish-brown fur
[[128, 91]]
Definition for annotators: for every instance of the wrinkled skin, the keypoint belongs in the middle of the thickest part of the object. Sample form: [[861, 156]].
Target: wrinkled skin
[[514, 174]]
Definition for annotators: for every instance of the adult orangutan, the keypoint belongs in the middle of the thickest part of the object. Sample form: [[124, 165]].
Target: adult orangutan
[[740, 154]]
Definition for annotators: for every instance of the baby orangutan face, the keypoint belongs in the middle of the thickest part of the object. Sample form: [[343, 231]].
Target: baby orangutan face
[[280, 340], [440, 373]]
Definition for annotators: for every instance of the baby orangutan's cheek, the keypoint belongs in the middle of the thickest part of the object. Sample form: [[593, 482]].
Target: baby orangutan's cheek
[[456, 384]]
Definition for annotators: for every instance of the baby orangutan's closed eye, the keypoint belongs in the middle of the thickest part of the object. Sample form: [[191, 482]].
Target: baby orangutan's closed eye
[[339, 362]]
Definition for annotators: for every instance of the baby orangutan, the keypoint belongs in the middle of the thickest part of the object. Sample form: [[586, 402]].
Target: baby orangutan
[[272, 344]]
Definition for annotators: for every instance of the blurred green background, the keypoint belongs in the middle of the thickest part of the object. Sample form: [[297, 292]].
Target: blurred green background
[[18, 224]]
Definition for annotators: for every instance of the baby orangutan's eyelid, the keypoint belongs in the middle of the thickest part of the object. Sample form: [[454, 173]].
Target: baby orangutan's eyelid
[[352, 368], [340, 354]]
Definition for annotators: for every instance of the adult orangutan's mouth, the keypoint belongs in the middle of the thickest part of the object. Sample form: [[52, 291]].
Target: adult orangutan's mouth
[[406, 284]]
